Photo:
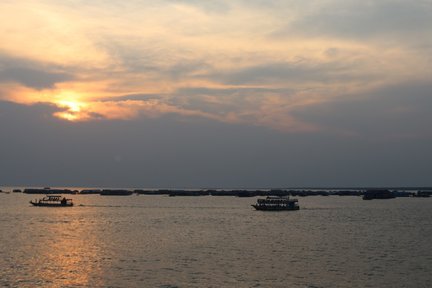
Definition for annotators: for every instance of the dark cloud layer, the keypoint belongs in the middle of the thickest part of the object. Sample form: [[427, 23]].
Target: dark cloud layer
[[30, 73], [401, 111], [174, 151], [33, 78]]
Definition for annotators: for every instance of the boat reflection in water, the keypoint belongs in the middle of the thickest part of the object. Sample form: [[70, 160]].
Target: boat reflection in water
[[276, 203], [53, 201]]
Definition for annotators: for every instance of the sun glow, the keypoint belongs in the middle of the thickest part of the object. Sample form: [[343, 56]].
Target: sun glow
[[71, 105], [72, 112]]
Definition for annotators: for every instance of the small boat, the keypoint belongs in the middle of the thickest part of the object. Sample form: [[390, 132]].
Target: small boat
[[276, 203], [53, 201]]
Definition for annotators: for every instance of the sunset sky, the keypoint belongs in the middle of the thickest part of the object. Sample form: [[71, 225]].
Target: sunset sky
[[188, 93]]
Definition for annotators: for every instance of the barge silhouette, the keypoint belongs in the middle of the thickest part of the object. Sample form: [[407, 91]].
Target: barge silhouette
[[276, 203]]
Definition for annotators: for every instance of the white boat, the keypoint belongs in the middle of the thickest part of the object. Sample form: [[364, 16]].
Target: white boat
[[276, 203], [53, 201]]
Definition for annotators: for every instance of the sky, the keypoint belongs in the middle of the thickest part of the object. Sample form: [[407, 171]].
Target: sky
[[202, 94]]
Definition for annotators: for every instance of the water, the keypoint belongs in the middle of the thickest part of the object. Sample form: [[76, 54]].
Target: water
[[160, 241]]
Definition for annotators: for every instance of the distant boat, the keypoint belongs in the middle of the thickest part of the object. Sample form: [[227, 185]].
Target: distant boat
[[48, 190], [90, 191], [276, 203], [424, 194], [245, 193], [378, 194], [53, 201]]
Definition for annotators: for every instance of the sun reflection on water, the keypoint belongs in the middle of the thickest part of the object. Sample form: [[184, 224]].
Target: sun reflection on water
[[68, 253]]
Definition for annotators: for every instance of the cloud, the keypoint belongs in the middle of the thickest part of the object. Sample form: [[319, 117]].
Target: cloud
[[255, 62], [123, 110], [210, 6], [390, 113], [30, 73], [364, 19], [292, 72], [33, 78]]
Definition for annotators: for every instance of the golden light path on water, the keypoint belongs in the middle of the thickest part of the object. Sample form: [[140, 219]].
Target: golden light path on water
[[69, 251]]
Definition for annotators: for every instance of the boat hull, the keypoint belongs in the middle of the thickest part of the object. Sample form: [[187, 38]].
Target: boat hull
[[275, 208], [51, 204]]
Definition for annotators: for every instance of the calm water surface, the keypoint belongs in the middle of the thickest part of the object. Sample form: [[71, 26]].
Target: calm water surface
[[160, 241]]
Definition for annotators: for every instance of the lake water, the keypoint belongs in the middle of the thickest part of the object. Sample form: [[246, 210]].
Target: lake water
[[160, 241]]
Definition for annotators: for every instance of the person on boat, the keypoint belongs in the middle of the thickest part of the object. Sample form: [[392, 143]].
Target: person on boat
[[63, 201]]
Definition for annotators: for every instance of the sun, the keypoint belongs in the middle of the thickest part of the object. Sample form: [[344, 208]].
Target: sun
[[72, 106], [72, 110]]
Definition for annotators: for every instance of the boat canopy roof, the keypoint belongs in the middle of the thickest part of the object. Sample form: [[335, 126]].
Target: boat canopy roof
[[54, 198], [276, 200]]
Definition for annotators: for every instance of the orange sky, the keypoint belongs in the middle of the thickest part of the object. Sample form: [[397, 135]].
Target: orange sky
[[230, 61]]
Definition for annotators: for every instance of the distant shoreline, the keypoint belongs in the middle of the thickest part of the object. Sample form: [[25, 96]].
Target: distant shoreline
[[397, 192]]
